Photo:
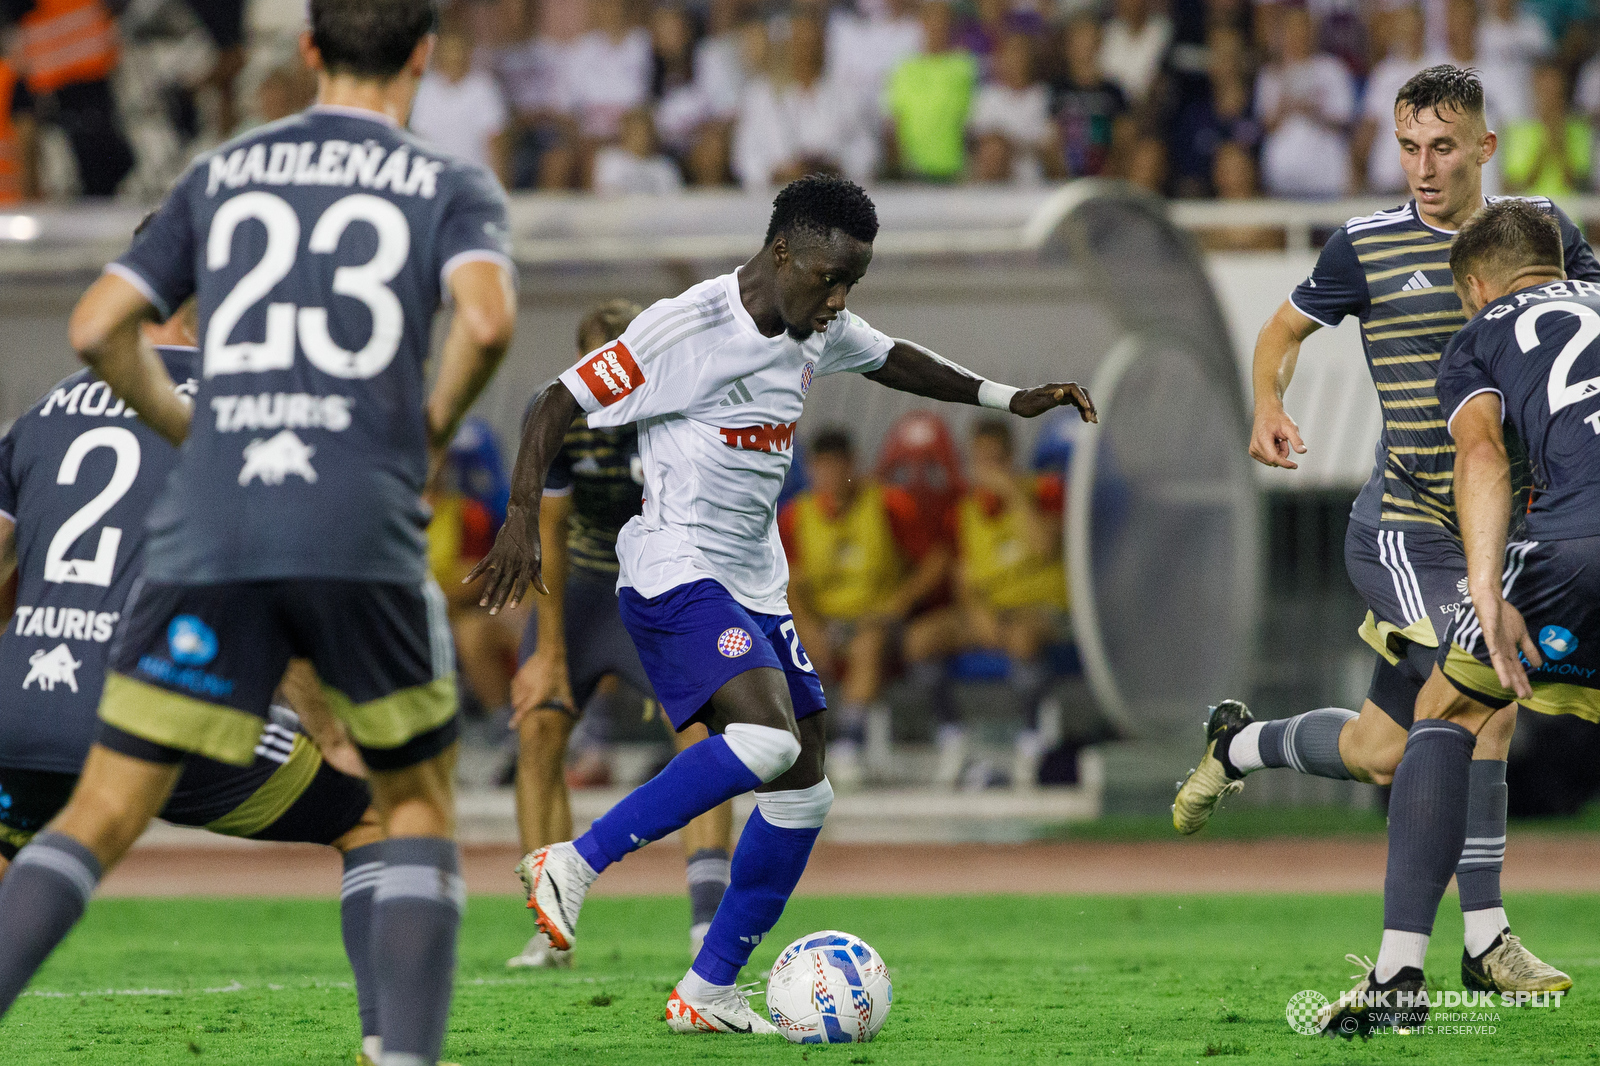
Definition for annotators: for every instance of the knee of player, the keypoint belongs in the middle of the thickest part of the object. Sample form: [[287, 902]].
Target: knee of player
[[801, 808], [544, 730], [765, 751]]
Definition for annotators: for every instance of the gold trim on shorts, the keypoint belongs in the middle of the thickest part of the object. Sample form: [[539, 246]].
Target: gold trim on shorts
[[1378, 634], [275, 796], [1549, 697], [176, 721], [392, 720]]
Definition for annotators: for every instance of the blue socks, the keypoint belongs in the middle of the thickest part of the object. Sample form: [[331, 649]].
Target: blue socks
[[1427, 823], [699, 778], [767, 865]]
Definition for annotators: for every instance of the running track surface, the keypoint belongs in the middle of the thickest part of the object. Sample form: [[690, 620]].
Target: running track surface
[[1564, 863]]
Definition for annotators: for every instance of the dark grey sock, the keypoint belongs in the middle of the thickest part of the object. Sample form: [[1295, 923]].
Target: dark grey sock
[[1478, 872], [1427, 823], [42, 898], [361, 868], [415, 916], [708, 879], [1308, 743]]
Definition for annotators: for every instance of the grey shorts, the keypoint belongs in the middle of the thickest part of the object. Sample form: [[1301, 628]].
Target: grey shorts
[[597, 642], [1413, 581]]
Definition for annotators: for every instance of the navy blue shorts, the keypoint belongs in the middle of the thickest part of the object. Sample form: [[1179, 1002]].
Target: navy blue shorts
[[1413, 581], [695, 638]]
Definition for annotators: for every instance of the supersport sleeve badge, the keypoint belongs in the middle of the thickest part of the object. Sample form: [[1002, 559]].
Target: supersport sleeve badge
[[610, 373]]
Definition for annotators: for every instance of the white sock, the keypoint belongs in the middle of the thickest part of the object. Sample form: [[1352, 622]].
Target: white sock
[[1244, 750], [695, 987], [372, 1047], [1482, 927], [1398, 951], [585, 871]]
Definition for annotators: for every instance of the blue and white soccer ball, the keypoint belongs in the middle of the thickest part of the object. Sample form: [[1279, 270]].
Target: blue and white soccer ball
[[829, 988]]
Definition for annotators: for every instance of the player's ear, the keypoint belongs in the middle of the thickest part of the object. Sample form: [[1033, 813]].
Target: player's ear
[[780, 250], [310, 54], [417, 65], [1486, 146]]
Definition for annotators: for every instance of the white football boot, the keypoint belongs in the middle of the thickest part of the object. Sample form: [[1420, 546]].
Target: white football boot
[[540, 954], [557, 878], [727, 1011]]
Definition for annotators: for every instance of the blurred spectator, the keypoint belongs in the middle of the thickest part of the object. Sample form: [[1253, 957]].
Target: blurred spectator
[[1135, 41], [1011, 120], [1216, 115], [863, 49], [928, 99], [796, 120], [285, 90], [1375, 162], [1090, 111], [1506, 96], [609, 71], [990, 23], [1233, 176], [224, 24], [1549, 154], [697, 87], [64, 52], [634, 165], [1147, 165], [1305, 101], [1564, 20], [461, 110], [535, 70], [14, 183], [854, 582], [1512, 36]]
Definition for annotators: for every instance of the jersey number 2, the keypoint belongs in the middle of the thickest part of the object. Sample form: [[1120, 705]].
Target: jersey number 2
[[96, 571], [1562, 394], [796, 652], [368, 282]]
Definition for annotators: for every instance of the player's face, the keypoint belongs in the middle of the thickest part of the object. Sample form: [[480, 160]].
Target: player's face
[[831, 472], [1442, 155], [814, 276]]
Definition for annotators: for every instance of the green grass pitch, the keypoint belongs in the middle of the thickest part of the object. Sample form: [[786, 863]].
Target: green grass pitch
[[1160, 979]]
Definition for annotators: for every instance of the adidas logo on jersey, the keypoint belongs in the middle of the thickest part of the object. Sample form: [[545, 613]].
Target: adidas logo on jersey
[[740, 393], [1416, 281]]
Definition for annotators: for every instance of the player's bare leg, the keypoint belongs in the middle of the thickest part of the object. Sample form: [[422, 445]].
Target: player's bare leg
[[707, 848], [51, 879]]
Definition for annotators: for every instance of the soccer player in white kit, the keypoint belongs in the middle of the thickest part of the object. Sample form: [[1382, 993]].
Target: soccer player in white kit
[[716, 379]]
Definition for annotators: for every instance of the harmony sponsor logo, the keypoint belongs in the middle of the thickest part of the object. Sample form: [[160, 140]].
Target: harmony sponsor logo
[[191, 641], [1556, 642], [611, 373], [282, 410], [52, 668], [68, 623], [764, 438], [276, 457]]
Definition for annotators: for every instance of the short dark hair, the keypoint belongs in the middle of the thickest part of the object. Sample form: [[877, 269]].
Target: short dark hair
[[1445, 87], [832, 440], [1504, 237], [994, 426], [369, 38], [822, 203], [609, 319]]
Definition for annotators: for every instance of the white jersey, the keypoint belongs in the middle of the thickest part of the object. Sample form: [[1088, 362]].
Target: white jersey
[[716, 402]]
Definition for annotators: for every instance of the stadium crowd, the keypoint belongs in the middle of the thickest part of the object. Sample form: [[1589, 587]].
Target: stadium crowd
[[1225, 98], [927, 567]]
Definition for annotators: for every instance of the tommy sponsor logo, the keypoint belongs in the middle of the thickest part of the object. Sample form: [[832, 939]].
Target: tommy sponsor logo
[[734, 642], [276, 457], [68, 623], [611, 373], [765, 438], [282, 410], [51, 668]]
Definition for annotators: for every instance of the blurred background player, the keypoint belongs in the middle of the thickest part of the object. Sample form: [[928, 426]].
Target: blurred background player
[[855, 581], [1532, 624], [1403, 548], [576, 639], [74, 445], [306, 540]]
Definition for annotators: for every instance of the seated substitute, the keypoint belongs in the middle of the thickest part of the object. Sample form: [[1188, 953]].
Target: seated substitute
[[575, 640], [855, 581], [1530, 630], [74, 449]]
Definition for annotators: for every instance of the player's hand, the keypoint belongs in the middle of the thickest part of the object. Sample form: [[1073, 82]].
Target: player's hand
[[542, 682], [1031, 403], [513, 563], [1505, 634], [341, 753], [1274, 438]]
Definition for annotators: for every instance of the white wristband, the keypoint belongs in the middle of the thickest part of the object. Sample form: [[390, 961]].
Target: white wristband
[[993, 394]]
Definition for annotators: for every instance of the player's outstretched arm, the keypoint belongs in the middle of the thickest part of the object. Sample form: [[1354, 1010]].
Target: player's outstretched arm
[[914, 369], [1274, 436], [480, 333], [104, 330], [1483, 505], [513, 563]]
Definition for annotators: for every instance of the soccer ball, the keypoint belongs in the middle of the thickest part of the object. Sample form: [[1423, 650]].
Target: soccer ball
[[829, 988]]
